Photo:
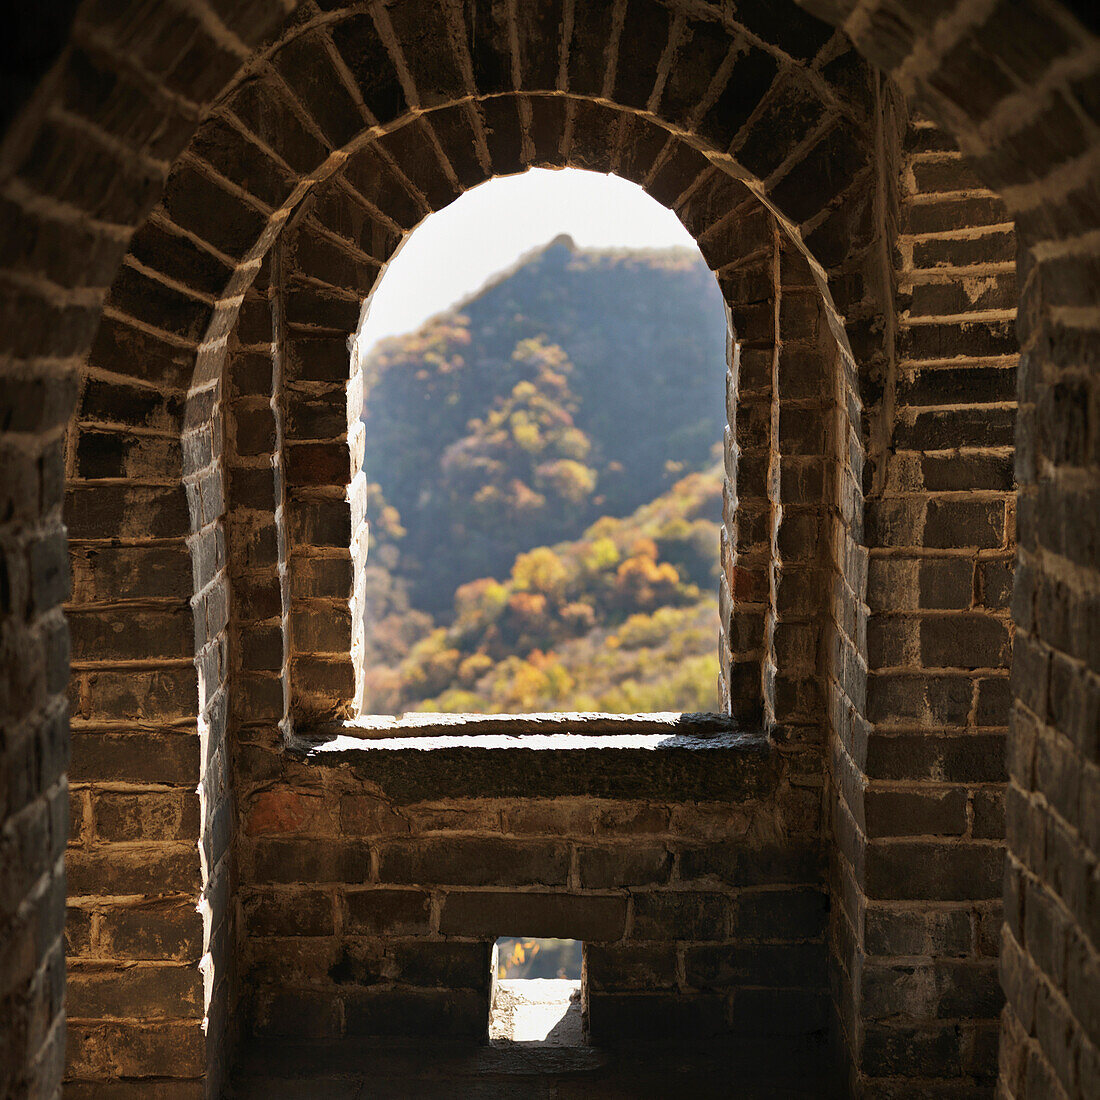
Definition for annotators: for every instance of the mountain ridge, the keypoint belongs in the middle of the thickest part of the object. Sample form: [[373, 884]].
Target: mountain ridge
[[573, 390]]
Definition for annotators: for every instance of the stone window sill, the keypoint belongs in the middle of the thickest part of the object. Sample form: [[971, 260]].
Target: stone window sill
[[682, 757]]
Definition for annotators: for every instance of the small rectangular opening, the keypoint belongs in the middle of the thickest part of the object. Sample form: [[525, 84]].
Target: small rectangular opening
[[537, 992]]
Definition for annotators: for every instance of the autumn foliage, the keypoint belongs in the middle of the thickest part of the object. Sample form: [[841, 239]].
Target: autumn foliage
[[544, 498]]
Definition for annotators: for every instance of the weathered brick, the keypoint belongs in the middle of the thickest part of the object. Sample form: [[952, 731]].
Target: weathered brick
[[133, 870], [152, 816], [301, 913], [305, 65], [772, 965], [788, 914], [124, 511], [550, 817], [136, 758], [934, 870], [941, 931], [445, 965], [920, 1051], [915, 813], [136, 694], [299, 1013], [794, 861], [389, 912], [146, 992], [629, 967], [100, 1051], [591, 917], [961, 523], [617, 1017], [449, 1014], [365, 815], [216, 216], [487, 862], [946, 583], [152, 929], [669, 915], [968, 641], [637, 865], [295, 860]]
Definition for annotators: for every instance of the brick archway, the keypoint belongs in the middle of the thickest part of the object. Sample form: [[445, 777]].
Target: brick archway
[[276, 137], [276, 123], [967, 59], [324, 278]]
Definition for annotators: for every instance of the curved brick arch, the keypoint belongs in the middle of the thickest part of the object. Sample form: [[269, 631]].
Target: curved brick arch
[[324, 279], [166, 307], [787, 391], [961, 57], [793, 130], [278, 120], [785, 394], [279, 125], [276, 124]]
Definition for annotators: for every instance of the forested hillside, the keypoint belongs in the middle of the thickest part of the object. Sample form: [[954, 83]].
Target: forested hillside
[[545, 492]]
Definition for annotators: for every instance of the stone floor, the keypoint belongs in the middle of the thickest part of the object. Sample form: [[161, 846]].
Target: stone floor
[[455, 1071]]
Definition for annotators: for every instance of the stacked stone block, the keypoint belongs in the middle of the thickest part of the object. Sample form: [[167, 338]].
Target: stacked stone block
[[302, 849], [137, 747], [751, 507], [370, 914], [149, 604], [86, 162], [1029, 132], [34, 732], [920, 805], [397, 179], [1050, 969], [325, 279]]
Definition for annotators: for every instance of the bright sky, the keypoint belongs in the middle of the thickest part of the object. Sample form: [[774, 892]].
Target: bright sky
[[454, 252]]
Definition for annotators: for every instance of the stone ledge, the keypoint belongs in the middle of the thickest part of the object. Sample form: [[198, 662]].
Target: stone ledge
[[588, 723], [680, 757]]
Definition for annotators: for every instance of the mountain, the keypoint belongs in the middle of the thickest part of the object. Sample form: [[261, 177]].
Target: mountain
[[543, 472]]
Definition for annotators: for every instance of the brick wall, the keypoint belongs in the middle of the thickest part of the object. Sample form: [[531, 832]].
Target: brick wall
[[381, 904], [324, 280], [136, 744], [80, 168], [237, 185], [388, 904], [922, 802], [34, 733], [1050, 1038], [792, 103], [1011, 82]]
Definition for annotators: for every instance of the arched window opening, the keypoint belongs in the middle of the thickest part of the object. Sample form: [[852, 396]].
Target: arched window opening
[[543, 372]]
